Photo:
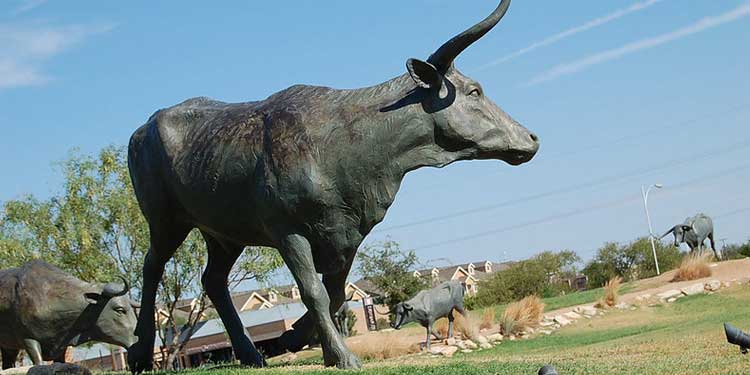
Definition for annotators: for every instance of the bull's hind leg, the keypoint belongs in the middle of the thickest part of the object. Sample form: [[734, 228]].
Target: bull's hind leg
[[164, 241], [297, 254], [9, 358], [304, 328], [450, 324], [221, 258]]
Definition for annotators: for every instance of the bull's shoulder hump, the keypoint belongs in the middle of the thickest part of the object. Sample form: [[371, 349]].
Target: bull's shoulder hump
[[177, 124]]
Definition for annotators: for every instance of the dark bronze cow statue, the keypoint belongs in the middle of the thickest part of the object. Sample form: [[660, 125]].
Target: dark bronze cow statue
[[309, 171], [43, 311]]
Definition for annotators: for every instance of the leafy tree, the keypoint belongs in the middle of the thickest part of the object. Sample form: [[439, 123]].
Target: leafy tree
[[94, 229], [736, 251], [390, 270], [631, 261], [540, 275]]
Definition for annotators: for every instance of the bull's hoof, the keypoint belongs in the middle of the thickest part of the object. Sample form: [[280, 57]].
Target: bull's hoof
[[346, 361], [140, 359], [350, 362], [255, 360]]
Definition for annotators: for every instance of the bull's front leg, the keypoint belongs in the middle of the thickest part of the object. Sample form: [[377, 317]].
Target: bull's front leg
[[297, 254]]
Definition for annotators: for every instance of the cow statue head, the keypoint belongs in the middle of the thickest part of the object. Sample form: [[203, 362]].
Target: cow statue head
[[403, 313], [679, 232], [115, 315], [466, 121]]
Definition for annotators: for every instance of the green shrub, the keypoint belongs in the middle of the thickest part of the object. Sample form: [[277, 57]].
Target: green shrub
[[539, 275]]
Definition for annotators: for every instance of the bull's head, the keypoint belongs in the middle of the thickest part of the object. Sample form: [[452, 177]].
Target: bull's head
[[402, 313], [466, 121], [679, 232], [116, 319]]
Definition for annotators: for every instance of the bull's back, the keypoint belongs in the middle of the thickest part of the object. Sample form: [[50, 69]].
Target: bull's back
[[215, 164]]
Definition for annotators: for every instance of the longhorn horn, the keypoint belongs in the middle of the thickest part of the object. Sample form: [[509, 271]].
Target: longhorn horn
[[668, 232], [115, 289], [443, 58], [379, 312]]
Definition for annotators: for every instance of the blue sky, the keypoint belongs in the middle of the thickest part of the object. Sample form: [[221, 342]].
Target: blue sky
[[621, 93]]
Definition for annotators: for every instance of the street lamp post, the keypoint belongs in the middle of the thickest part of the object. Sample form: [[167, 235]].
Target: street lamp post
[[645, 192]]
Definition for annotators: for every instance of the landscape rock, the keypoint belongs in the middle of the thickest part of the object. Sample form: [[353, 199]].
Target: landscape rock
[[727, 284], [59, 369], [561, 320], [485, 345], [572, 315], [447, 351], [466, 351], [16, 370], [547, 323], [622, 306], [588, 311], [712, 285], [482, 340], [670, 300], [669, 294], [546, 332], [643, 297], [450, 341], [495, 338], [470, 344], [693, 289]]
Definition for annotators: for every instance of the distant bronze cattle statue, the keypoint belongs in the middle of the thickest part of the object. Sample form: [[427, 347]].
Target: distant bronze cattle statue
[[308, 171], [43, 311], [430, 305], [694, 231]]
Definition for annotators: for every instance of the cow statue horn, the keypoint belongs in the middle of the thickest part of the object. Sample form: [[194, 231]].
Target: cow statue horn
[[443, 58], [668, 232], [116, 289], [381, 313]]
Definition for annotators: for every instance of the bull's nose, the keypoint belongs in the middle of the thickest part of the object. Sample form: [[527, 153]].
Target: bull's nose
[[533, 137]]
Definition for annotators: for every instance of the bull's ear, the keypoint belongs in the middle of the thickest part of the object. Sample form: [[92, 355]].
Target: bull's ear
[[424, 74]]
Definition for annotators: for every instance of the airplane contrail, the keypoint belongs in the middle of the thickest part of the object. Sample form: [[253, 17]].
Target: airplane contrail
[[616, 53], [575, 30]]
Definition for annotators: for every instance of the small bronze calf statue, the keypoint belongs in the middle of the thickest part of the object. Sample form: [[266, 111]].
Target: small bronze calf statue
[[430, 305], [43, 311]]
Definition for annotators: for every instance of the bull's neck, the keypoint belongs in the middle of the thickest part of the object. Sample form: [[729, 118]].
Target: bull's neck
[[397, 134], [387, 134]]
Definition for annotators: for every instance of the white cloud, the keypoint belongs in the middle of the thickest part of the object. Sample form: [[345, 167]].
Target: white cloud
[[24, 50], [27, 5], [574, 30], [616, 53]]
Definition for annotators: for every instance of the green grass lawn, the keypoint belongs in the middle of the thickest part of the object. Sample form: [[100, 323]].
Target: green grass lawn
[[685, 337]]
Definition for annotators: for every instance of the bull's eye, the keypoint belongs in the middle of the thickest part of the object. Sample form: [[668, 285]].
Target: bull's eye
[[475, 92], [120, 310]]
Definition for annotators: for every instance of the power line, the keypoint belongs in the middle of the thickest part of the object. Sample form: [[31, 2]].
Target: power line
[[719, 151], [581, 210], [623, 139]]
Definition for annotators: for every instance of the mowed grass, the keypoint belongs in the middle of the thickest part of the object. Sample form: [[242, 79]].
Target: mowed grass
[[685, 337]]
